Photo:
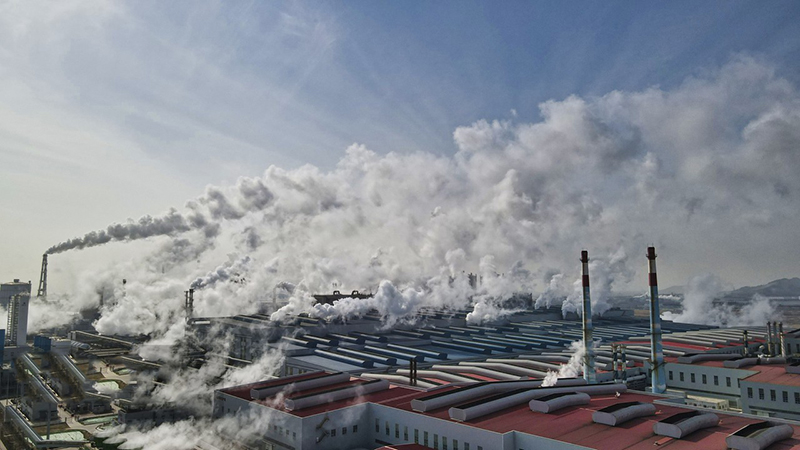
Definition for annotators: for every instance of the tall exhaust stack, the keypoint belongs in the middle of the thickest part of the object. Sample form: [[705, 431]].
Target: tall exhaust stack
[[782, 339], [769, 338], [745, 340], [42, 292], [588, 357], [659, 380]]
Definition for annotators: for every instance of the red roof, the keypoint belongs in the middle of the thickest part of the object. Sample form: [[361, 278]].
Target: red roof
[[774, 375], [574, 425]]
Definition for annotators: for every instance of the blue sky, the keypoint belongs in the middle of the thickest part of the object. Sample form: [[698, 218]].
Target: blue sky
[[117, 109]]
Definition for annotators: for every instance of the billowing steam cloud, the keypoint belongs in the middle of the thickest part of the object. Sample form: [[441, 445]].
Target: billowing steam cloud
[[707, 160], [696, 166], [699, 306]]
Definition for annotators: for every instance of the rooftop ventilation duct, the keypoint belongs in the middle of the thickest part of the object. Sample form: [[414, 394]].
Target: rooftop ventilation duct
[[442, 399], [322, 379], [692, 358], [498, 402], [683, 424], [330, 396], [554, 402], [744, 362], [622, 412], [758, 436]]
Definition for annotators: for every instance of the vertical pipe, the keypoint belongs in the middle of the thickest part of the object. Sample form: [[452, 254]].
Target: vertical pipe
[[769, 339], [624, 365], [746, 349], [782, 339], [615, 361], [588, 356], [658, 380]]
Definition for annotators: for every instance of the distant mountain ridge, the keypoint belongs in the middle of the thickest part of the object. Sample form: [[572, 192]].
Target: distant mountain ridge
[[784, 287]]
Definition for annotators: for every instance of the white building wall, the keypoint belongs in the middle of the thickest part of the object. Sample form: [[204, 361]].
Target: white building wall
[[773, 403], [709, 387]]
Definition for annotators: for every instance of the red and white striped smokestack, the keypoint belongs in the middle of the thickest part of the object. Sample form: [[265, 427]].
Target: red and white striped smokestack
[[588, 356], [658, 378]]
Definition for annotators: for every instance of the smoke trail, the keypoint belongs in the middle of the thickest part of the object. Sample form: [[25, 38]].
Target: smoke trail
[[206, 213], [231, 269]]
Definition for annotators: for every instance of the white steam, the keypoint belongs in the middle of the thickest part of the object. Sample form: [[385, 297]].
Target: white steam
[[573, 368], [699, 306]]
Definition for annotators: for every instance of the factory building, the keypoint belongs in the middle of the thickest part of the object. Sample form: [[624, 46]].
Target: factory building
[[336, 411]]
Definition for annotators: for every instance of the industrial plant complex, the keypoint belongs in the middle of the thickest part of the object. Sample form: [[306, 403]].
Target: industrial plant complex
[[534, 379]]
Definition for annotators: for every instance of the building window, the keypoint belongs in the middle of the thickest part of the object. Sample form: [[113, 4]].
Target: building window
[[425, 438], [772, 395], [728, 381], [670, 375], [797, 398], [344, 431], [397, 431], [480, 448], [705, 380], [760, 394], [785, 397], [387, 428], [405, 434], [377, 425], [444, 442], [435, 441], [294, 435], [716, 380], [681, 375], [738, 383], [416, 436], [692, 377], [355, 428], [466, 445], [455, 444], [333, 432], [749, 392]]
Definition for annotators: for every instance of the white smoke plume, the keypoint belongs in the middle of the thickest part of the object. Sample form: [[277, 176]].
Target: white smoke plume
[[553, 293], [231, 269], [573, 368], [604, 273], [698, 306]]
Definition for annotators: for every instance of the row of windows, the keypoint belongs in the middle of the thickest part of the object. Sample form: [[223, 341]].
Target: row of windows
[[773, 395], [279, 431], [344, 430], [704, 379], [454, 444]]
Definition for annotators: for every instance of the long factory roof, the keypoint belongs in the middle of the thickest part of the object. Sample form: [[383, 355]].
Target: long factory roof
[[572, 425]]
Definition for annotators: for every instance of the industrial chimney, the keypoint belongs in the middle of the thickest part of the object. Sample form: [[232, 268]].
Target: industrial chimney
[[782, 339], [42, 292], [588, 357], [658, 380], [189, 303]]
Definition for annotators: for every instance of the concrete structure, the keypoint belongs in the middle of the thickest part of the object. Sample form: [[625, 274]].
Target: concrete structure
[[9, 290], [17, 330]]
